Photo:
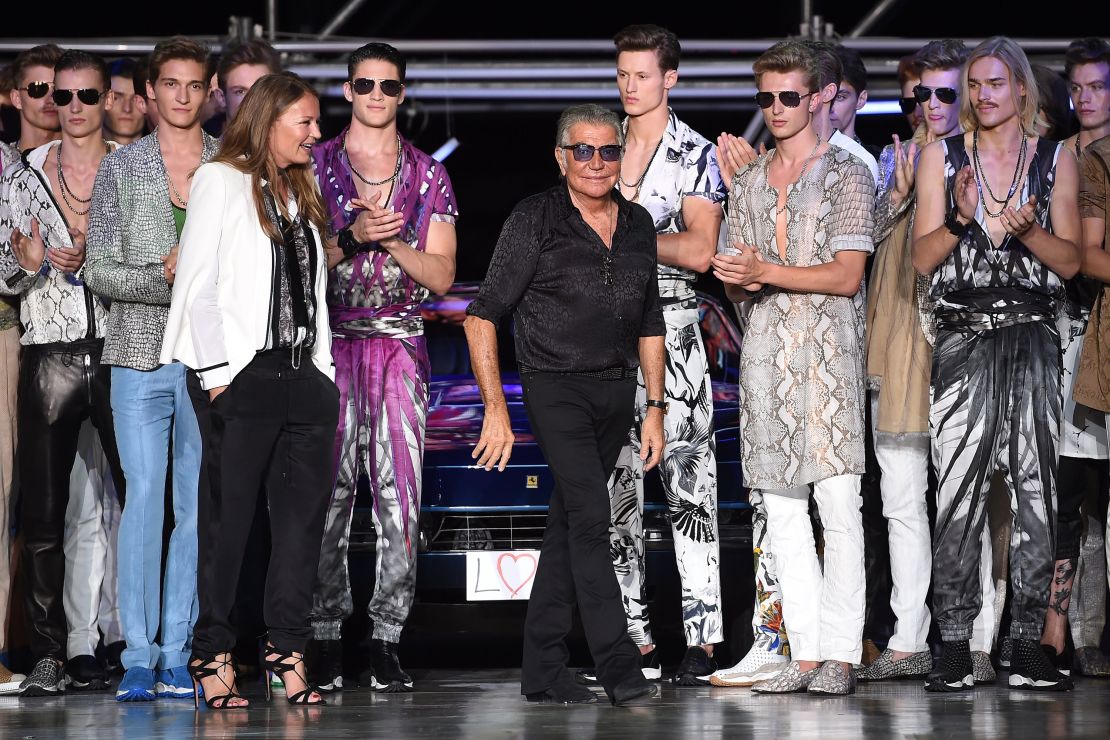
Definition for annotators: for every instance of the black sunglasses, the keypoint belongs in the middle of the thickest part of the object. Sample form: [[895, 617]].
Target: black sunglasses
[[87, 95], [788, 98], [37, 89], [907, 104], [365, 86], [945, 95], [585, 152]]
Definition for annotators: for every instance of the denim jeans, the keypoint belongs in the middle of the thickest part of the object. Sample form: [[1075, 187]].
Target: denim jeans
[[145, 404]]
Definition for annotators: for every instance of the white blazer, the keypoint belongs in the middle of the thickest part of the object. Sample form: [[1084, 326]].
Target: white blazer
[[223, 290]]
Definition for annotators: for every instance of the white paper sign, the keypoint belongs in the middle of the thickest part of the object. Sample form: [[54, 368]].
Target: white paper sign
[[500, 576]]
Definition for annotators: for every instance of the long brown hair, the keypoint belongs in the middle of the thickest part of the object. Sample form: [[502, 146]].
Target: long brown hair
[[245, 146]]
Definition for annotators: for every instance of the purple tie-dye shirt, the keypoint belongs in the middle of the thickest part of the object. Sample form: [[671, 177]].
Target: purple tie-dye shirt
[[370, 295]]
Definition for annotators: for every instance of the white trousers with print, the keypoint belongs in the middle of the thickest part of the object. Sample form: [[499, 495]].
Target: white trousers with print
[[689, 475]]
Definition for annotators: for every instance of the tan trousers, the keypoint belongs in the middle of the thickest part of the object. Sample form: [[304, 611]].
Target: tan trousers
[[9, 381]]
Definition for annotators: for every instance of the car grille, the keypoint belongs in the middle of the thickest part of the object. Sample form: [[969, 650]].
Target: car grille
[[506, 531]]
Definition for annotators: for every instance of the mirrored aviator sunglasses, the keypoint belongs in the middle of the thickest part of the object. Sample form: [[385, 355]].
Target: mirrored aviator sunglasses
[[789, 98], [946, 95], [37, 90], [87, 95], [585, 152], [365, 86]]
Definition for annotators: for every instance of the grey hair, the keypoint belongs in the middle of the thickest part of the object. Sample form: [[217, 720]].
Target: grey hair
[[586, 113]]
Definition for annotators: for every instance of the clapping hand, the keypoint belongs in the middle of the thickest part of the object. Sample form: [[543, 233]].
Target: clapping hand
[[29, 251], [376, 223], [967, 194], [1017, 221], [903, 171]]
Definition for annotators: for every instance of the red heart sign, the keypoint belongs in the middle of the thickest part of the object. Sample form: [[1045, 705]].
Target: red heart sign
[[515, 573]]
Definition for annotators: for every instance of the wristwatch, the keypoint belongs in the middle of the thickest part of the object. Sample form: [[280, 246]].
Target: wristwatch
[[652, 403], [952, 223]]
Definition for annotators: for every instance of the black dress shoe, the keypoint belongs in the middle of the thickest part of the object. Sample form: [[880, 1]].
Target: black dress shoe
[[563, 693], [635, 690]]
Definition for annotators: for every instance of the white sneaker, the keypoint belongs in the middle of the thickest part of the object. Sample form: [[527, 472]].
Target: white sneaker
[[757, 665]]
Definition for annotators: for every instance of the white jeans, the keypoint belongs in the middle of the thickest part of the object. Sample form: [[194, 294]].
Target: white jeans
[[904, 463], [89, 544], [823, 611]]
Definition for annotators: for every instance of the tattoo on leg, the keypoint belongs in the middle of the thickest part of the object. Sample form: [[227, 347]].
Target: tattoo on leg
[[1061, 596]]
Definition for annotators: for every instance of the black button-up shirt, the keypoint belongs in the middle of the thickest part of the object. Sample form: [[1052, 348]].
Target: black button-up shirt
[[578, 306]]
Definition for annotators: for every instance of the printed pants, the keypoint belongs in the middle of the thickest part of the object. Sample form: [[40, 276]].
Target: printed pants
[[689, 475], [996, 403], [383, 405]]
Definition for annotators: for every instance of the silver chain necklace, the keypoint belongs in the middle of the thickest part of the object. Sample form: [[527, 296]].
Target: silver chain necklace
[[184, 203], [374, 183], [635, 186], [67, 192]]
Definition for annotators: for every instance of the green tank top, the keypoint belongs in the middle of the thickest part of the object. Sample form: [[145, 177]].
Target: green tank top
[[178, 218]]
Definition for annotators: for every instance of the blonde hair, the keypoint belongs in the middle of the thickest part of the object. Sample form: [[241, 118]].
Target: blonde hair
[[245, 146], [1011, 55]]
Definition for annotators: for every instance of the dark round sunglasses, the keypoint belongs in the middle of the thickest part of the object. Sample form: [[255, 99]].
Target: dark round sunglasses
[[585, 152], [907, 104], [37, 90], [365, 86], [789, 98], [946, 95], [87, 95]]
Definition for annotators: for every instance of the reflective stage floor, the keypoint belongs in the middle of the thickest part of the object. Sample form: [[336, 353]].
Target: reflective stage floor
[[486, 704]]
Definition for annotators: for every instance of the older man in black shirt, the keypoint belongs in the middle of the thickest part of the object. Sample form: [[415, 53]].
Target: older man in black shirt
[[576, 267]]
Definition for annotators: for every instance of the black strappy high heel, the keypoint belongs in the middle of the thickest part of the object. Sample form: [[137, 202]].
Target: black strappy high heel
[[279, 666], [199, 671]]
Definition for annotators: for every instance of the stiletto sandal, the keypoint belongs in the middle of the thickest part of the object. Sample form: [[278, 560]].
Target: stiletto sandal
[[199, 671], [280, 667]]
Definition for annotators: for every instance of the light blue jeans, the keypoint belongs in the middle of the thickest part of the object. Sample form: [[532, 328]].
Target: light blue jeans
[[145, 404]]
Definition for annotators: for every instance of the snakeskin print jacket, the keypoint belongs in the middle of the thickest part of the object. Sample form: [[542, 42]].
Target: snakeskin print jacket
[[55, 306], [130, 229]]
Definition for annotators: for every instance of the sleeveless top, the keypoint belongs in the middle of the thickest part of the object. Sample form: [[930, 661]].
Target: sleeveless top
[[1007, 283]]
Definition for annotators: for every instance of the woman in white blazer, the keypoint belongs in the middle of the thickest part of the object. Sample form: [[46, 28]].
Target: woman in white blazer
[[249, 317]]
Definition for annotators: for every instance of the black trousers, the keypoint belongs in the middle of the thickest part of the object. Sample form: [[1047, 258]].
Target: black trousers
[[1078, 479], [580, 424], [273, 426], [60, 386]]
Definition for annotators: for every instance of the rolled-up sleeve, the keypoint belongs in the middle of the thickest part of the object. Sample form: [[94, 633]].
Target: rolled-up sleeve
[[510, 269], [852, 219]]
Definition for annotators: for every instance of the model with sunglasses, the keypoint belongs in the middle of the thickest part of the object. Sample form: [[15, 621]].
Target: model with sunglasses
[[909, 77], [43, 221], [138, 211], [800, 222], [32, 78], [899, 357], [770, 647], [996, 229], [671, 170], [1078, 594], [392, 212], [576, 266]]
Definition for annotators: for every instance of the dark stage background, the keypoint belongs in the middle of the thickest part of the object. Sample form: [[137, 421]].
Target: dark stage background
[[505, 156]]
